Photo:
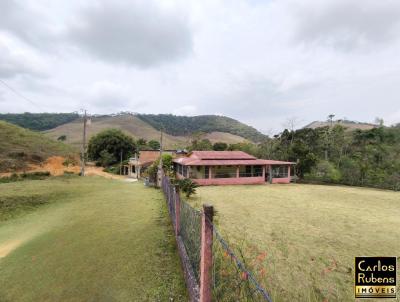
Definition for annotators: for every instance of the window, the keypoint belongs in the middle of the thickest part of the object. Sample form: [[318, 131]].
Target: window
[[206, 171], [257, 171], [224, 172], [280, 171]]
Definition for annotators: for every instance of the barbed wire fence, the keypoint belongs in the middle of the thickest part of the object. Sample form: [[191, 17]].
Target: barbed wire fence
[[230, 279]]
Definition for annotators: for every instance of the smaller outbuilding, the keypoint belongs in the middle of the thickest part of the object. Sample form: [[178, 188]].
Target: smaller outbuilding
[[137, 164], [230, 168]]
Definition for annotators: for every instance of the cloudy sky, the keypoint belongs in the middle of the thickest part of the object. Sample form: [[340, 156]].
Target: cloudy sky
[[259, 61]]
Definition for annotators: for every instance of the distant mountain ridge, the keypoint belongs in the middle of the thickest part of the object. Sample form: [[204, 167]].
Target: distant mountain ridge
[[178, 129], [350, 125], [133, 125], [38, 121], [186, 125]]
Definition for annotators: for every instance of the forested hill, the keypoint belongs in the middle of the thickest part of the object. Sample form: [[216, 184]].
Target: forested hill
[[332, 154], [172, 124], [39, 121], [186, 125]]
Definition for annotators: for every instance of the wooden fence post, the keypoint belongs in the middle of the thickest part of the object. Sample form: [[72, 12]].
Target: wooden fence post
[[206, 254], [177, 211]]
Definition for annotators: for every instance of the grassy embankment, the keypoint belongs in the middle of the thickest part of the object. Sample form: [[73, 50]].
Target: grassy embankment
[[91, 239], [310, 233], [20, 147]]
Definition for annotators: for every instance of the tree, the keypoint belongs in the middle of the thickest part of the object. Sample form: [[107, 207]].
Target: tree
[[245, 147], [113, 141], [330, 119], [202, 145], [379, 121], [167, 166], [62, 138], [153, 144], [291, 124], [105, 158], [326, 172], [141, 142], [220, 146]]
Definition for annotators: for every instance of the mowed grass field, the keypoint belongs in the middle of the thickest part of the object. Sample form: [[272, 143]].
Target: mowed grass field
[[92, 239], [306, 236]]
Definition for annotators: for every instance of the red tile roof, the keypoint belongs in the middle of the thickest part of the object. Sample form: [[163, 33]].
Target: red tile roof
[[221, 155], [225, 158]]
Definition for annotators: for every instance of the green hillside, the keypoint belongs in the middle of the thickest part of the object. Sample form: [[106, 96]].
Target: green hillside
[[131, 124], [38, 121], [20, 147], [185, 125]]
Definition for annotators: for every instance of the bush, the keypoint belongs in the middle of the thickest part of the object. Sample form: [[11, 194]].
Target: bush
[[187, 186], [153, 144], [220, 146], [325, 171], [69, 173], [70, 161], [167, 167], [25, 176]]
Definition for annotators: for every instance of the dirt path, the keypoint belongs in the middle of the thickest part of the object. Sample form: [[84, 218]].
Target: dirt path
[[90, 171], [9, 246]]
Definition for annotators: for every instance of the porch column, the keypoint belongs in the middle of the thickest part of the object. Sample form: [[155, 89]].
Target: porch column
[[288, 173], [237, 171], [209, 172], [263, 172], [270, 173]]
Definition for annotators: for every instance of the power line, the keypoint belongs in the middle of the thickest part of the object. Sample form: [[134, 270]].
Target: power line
[[19, 94]]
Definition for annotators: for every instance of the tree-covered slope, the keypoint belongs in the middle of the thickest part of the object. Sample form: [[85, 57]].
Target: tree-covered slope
[[38, 121], [185, 125], [332, 154]]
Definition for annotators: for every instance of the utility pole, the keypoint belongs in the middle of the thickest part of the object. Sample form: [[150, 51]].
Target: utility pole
[[161, 147], [120, 165], [83, 159], [160, 173]]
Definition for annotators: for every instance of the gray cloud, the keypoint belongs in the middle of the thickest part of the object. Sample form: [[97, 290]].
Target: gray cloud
[[347, 24], [15, 63], [26, 24], [138, 33], [257, 61]]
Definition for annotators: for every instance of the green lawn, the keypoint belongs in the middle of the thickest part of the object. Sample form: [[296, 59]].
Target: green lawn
[[93, 240], [310, 233]]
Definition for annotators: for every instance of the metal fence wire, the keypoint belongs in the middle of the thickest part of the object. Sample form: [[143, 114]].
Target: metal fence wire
[[190, 225], [170, 196], [190, 231], [231, 280]]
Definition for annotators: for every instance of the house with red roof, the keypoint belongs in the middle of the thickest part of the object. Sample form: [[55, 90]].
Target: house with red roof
[[230, 168]]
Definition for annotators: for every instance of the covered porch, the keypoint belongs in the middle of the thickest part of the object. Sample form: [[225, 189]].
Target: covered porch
[[234, 174]]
